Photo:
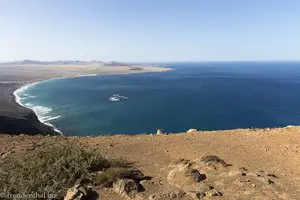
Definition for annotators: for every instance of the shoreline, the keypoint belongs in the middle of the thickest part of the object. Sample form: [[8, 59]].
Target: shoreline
[[19, 119], [24, 87], [19, 88]]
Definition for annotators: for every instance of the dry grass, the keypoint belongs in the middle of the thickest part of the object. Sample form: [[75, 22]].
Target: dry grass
[[53, 169], [112, 174]]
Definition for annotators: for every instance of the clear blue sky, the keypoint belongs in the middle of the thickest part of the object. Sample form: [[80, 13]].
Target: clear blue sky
[[150, 30]]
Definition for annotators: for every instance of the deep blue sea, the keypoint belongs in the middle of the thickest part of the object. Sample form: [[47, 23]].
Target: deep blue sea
[[205, 96]]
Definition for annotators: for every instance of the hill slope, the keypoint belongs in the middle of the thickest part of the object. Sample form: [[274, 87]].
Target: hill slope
[[262, 163]]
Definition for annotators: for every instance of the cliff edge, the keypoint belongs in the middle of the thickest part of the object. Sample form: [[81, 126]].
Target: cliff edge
[[229, 164]]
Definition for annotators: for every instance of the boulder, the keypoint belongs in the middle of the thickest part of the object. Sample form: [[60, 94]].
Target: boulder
[[146, 183], [235, 173], [170, 195], [182, 176], [195, 174], [77, 192], [213, 193], [210, 163], [198, 190], [126, 187], [196, 195], [134, 174]]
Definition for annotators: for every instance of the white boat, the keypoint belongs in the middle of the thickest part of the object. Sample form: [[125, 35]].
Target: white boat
[[117, 97]]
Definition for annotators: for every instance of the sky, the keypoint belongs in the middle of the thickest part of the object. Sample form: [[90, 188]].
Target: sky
[[150, 30]]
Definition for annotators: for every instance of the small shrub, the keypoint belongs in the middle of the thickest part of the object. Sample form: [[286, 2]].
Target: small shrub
[[53, 169], [109, 176], [213, 160]]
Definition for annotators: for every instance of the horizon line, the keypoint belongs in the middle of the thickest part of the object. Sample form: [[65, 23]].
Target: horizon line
[[178, 61]]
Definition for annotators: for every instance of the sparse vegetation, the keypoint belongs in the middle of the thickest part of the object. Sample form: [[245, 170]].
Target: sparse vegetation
[[112, 174], [109, 176], [54, 169], [213, 160]]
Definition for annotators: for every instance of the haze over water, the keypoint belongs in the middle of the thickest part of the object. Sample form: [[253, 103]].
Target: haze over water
[[206, 96]]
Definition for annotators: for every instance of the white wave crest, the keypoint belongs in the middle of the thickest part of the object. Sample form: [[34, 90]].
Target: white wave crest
[[50, 118], [20, 92], [42, 112]]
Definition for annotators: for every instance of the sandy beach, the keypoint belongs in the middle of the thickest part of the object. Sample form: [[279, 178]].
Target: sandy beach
[[14, 76]]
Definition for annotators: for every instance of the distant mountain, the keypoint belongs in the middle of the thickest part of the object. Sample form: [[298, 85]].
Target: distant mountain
[[115, 63], [64, 62], [24, 62]]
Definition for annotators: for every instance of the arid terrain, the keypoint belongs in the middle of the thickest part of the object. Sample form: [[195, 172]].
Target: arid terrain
[[236, 164]]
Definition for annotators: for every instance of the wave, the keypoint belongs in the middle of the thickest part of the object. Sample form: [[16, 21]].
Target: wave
[[20, 92], [42, 112]]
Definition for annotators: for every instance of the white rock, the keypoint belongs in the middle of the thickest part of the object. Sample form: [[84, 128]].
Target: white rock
[[126, 187], [77, 192], [174, 194], [192, 130]]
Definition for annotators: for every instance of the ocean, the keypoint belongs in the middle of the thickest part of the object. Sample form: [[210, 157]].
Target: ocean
[[205, 96]]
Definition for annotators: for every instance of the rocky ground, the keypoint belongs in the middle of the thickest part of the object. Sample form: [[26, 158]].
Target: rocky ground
[[231, 164]]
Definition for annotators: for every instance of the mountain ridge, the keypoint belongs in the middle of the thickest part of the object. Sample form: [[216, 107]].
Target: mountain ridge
[[64, 62]]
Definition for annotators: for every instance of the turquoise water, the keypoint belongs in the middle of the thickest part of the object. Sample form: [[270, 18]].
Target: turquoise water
[[206, 96]]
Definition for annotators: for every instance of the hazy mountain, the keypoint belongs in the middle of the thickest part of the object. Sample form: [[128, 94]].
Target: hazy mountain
[[64, 62]]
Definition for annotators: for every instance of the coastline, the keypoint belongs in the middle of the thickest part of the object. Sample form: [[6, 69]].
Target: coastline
[[16, 119], [24, 87], [34, 123]]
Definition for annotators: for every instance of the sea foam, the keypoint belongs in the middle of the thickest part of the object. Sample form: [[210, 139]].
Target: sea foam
[[42, 112]]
